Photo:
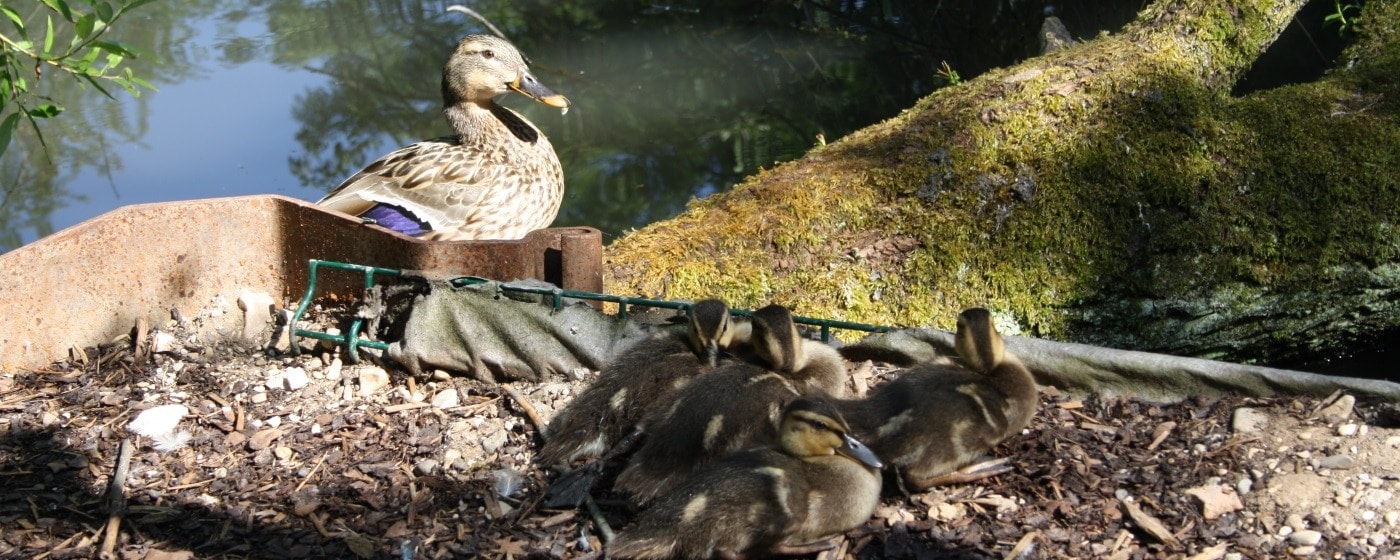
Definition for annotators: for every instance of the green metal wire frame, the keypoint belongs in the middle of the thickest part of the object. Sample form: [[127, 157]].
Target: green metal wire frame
[[350, 340]]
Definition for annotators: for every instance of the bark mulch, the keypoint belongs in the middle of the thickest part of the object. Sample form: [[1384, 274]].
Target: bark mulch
[[324, 471]]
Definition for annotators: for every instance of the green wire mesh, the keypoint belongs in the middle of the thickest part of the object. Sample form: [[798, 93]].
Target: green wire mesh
[[351, 341]]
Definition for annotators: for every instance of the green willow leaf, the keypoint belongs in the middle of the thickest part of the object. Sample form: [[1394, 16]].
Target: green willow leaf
[[45, 111], [48, 37], [104, 11], [83, 28], [14, 17], [61, 7], [7, 130]]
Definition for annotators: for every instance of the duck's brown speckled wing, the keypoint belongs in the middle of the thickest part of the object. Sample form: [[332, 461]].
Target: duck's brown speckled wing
[[501, 187]]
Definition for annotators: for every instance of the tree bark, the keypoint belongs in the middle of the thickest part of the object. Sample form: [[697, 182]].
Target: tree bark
[[1110, 193]]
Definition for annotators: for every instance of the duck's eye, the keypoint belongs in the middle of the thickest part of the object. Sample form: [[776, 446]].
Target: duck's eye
[[488, 53]]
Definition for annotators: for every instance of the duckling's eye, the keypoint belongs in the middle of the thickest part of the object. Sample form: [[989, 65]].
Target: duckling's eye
[[488, 53]]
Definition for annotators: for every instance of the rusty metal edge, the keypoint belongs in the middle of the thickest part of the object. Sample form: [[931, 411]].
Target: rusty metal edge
[[89, 283]]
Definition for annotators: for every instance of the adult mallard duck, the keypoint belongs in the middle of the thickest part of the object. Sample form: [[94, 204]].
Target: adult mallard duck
[[818, 481], [935, 418], [732, 408], [496, 178]]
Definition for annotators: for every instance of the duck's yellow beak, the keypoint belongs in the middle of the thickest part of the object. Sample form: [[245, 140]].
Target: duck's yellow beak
[[526, 84]]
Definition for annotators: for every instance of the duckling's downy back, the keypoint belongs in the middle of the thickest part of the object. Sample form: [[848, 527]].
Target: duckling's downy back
[[732, 408], [934, 418], [649, 372], [818, 482]]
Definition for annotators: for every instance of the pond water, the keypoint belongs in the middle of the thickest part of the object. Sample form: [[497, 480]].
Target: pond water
[[671, 101]]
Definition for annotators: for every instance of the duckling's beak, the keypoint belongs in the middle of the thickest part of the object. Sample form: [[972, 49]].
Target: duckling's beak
[[853, 448], [526, 84], [712, 353]]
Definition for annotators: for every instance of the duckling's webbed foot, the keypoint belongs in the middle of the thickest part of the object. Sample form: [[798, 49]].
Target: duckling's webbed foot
[[572, 487], [809, 548], [970, 473]]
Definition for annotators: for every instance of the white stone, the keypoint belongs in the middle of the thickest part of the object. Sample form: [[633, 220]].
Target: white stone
[[1339, 462], [1339, 411], [1248, 420], [295, 378], [333, 370], [1306, 537], [162, 342], [257, 313], [1392, 518], [158, 421], [372, 379], [446, 399], [274, 422], [1347, 430]]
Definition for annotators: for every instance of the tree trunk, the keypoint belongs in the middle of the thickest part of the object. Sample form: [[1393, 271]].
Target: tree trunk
[[1111, 193]]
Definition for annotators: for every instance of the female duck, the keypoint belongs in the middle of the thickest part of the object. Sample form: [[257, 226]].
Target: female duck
[[734, 407], [651, 371], [496, 178], [818, 482], [934, 419]]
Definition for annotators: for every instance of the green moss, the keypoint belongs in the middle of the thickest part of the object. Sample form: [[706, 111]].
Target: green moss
[[1079, 194]]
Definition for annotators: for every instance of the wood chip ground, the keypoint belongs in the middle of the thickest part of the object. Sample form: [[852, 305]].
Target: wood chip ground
[[327, 472]]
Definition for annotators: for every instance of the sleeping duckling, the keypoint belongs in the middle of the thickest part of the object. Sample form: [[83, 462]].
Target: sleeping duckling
[[934, 419], [651, 371], [818, 482], [732, 408]]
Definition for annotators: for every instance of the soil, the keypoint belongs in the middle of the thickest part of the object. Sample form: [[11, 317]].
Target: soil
[[357, 463]]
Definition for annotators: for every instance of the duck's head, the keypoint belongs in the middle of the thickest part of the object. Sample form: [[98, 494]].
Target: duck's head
[[484, 66], [775, 338], [813, 428], [977, 340], [710, 329]]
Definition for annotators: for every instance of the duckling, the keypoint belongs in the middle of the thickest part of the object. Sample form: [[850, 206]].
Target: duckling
[[818, 482], [934, 418], [648, 372], [497, 177], [733, 407]]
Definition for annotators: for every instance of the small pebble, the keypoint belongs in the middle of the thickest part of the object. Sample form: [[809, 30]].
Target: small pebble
[[372, 379], [1304, 550], [1346, 430], [1248, 420], [1340, 462], [1306, 537], [333, 370], [1339, 411], [1392, 518], [446, 399], [274, 421], [1296, 522], [1244, 486]]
